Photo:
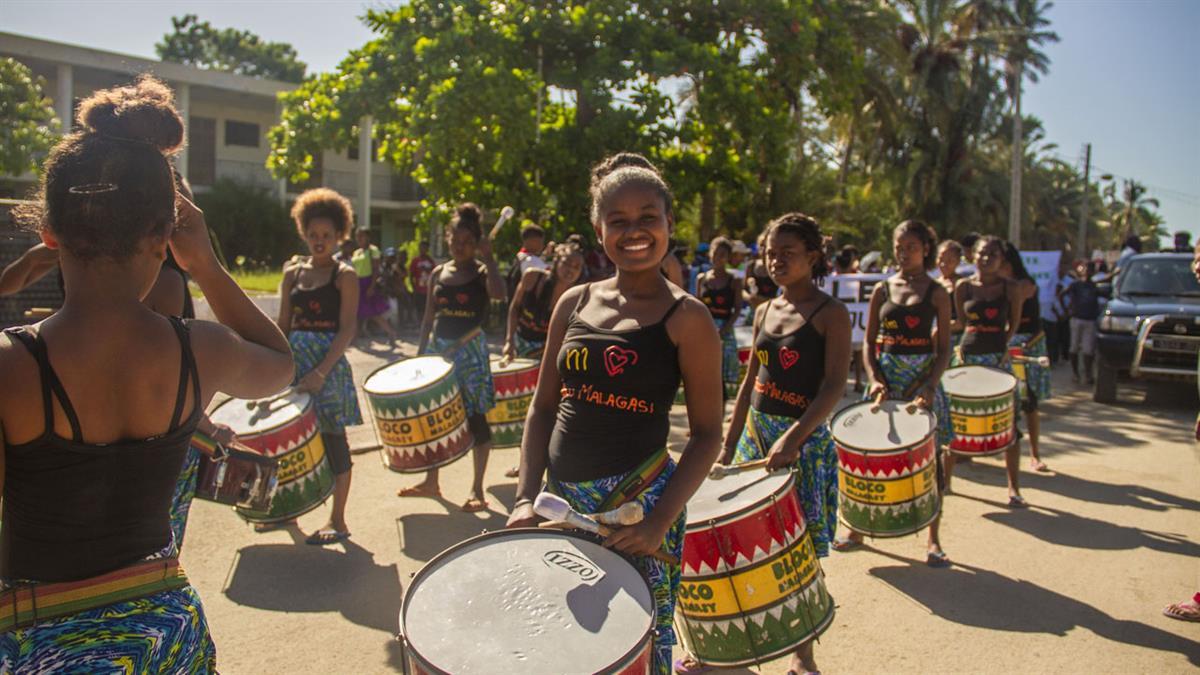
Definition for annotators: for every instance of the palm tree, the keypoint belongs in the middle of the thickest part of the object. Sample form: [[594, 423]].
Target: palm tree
[[1131, 208]]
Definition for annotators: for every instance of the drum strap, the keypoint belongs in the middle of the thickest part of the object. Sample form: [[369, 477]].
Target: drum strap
[[637, 481], [27, 604]]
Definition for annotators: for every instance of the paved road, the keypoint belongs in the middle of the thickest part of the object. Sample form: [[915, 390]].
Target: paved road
[[1072, 585]]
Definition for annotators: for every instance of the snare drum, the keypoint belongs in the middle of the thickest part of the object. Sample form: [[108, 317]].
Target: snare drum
[[982, 406], [284, 429], [515, 382], [752, 586], [239, 478], [419, 413], [529, 601], [887, 468]]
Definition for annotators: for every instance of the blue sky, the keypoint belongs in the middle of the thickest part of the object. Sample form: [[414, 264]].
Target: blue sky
[[1125, 77]]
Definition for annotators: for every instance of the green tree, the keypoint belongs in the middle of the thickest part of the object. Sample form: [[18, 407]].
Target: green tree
[[199, 44], [249, 224], [1132, 212], [28, 127]]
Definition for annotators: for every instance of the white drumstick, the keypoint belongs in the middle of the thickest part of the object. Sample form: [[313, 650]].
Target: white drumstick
[[505, 214], [553, 507], [629, 513], [264, 402], [1043, 361]]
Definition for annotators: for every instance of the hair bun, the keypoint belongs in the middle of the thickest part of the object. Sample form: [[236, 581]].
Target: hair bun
[[468, 214], [144, 111], [618, 161]]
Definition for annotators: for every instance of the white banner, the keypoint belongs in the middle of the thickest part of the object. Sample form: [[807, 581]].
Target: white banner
[[1043, 267]]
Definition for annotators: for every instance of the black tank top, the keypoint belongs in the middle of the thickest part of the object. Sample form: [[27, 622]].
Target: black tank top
[[533, 318], [790, 368], [953, 304], [985, 324], [74, 510], [460, 308], [764, 286], [719, 301], [1031, 316], [319, 309], [906, 329], [617, 390], [189, 310]]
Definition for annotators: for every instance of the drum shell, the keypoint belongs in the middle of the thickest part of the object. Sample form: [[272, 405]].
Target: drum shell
[[249, 480], [305, 479], [514, 394], [636, 661], [752, 587], [983, 424], [422, 428]]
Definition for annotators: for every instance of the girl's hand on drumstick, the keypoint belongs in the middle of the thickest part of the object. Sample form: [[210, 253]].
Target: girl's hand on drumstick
[[508, 353], [312, 382], [926, 395], [523, 516], [878, 391], [190, 241], [222, 434], [643, 538], [783, 454], [484, 248]]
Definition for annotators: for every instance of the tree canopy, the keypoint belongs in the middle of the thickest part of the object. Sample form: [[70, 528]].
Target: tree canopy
[[28, 127], [199, 44]]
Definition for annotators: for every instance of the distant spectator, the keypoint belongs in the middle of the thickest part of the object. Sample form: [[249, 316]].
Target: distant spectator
[[1082, 301], [373, 305], [419, 271], [598, 265], [395, 282], [533, 243], [968, 245], [1132, 247], [737, 260], [846, 261], [346, 250], [1183, 241], [1056, 319], [672, 268]]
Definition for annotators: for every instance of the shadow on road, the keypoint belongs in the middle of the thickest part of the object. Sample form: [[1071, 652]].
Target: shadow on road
[[1067, 529], [973, 596], [424, 535], [300, 578], [1074, 487]]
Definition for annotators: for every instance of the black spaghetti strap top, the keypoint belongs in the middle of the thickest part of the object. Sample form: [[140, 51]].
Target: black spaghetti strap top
[[74, 510], [1031, 316], [790, 368], [617, 391], [319, 309], [764, 285], [460, 308], [985, 324], [719, 301], [906, 329], [533, 317]]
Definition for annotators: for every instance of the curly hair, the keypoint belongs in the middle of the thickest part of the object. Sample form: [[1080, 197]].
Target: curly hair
[[469, 217], [807, 230], [323, 203], [109, 185], [622, 171], [719, 242], [925, 234]]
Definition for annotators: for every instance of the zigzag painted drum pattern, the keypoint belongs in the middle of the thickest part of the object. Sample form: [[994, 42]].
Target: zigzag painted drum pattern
[[515, 382], [887, 468], [983, 408], [752, 586], [419, 413], [284, 428]]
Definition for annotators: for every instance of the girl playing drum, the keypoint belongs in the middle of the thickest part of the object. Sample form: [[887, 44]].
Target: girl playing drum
[[795, 378], [459, 294], [1031, 340], [721, 293], [910, 353], [535, 298], [318, 313], [989, 306], [600, 418], [101, 399]]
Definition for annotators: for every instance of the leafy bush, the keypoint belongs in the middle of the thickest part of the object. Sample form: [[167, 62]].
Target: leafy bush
[[249, 223]]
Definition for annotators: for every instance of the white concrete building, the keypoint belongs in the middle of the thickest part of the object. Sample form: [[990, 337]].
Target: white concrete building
[[227, 118]]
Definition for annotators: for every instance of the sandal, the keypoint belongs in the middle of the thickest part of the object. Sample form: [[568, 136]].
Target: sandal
[[1017, 502], [326, 537], [419, 491], [844, 544], [1184, 611], [937, 559], [475, 504], [514, 472], [271, 527], [688, 665]]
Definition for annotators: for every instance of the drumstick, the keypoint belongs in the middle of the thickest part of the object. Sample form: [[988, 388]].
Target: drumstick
[[264, 402], [1043, 361], [629, 513], [557, 510], [505, 213], [720, 471], [910, 408]]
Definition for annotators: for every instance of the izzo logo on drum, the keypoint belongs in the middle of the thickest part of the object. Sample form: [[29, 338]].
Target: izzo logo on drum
[[577, 359], [433, 425], [575, 564]]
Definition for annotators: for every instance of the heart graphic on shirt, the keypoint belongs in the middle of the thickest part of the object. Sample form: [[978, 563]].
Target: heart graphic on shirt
[[991, 312], [616, 358], [720, 299], [462, 298], [912, 321], [314, 306], [788, 357]]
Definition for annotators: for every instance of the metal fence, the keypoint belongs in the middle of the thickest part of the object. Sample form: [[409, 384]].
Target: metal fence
[[45, 293]]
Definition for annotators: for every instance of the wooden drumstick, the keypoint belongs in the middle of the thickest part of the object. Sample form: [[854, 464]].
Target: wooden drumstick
[[910, 408], [265, 402], [505, 214], [720, 471], [560, 514], [1043, 361]]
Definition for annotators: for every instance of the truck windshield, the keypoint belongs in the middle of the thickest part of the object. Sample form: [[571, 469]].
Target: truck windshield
[[1159, 276]]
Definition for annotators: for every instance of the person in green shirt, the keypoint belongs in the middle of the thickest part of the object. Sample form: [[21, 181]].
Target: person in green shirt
[[372, 291]]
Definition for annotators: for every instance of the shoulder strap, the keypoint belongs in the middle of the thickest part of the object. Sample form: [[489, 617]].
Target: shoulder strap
[[671, 310], [820, 307], [333, 277], [762, 318], [50, 382], [187, 370], [929, 291], [583, 298]]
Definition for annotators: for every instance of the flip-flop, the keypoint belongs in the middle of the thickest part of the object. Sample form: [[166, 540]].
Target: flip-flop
[[1017, 502], [271, 527], [682, 668], [1183, 611], [844, 544], [474, 505], [514, 472], [937, 559], [418, 491], [326, 537]]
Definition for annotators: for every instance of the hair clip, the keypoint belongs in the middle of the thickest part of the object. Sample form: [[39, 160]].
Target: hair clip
[[92, 189]]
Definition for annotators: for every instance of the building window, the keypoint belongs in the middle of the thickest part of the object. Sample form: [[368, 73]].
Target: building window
[[352, 151], [245, 134]]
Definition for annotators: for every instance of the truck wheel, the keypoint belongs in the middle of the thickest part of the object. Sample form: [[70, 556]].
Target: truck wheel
[[1106, 383]]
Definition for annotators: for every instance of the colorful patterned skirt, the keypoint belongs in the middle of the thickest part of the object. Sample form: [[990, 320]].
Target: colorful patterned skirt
[[816, 470], [371, 303], [589, 497], [472, 370], [337, 402], [526, 348], [902, 373], [1037, 378], [730, 366], [185, 490]]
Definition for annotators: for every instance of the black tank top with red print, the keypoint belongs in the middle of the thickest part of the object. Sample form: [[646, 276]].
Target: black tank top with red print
[[719, 301], [533, 317], [460, 308], [985, 322], [617, 391], [790, 368], [906, 329], [319, 309]]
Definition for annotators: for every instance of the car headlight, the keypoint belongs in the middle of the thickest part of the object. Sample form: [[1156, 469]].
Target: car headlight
[[1118, 324]]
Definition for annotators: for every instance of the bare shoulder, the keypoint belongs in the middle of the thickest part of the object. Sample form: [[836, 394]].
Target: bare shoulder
[[691, 311], [571, 296], [344, 268]]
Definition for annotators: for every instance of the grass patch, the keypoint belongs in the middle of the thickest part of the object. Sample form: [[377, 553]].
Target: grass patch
[[252, 281]]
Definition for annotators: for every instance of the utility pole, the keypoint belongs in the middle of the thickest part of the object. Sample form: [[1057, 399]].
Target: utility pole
[[1081, 237], [1018, 156]]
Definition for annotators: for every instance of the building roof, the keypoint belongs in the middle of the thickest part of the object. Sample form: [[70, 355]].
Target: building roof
[[24, 47]]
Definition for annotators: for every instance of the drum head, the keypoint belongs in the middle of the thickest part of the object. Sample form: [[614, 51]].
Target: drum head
[[257, 419], [407, 375], [890, 428], [978, 382], [526, 601], [718, 498], [514, 366], [744, 336]]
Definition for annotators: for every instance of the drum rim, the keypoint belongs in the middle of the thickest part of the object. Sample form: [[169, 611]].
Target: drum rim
[[280, 519], [1007, 392], [494, 358], [725, 519], [933, 426], [426, 569], [255, 434], [937, 512], [376, 371]]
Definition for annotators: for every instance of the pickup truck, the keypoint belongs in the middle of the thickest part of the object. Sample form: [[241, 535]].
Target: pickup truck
[[1150, 329]]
